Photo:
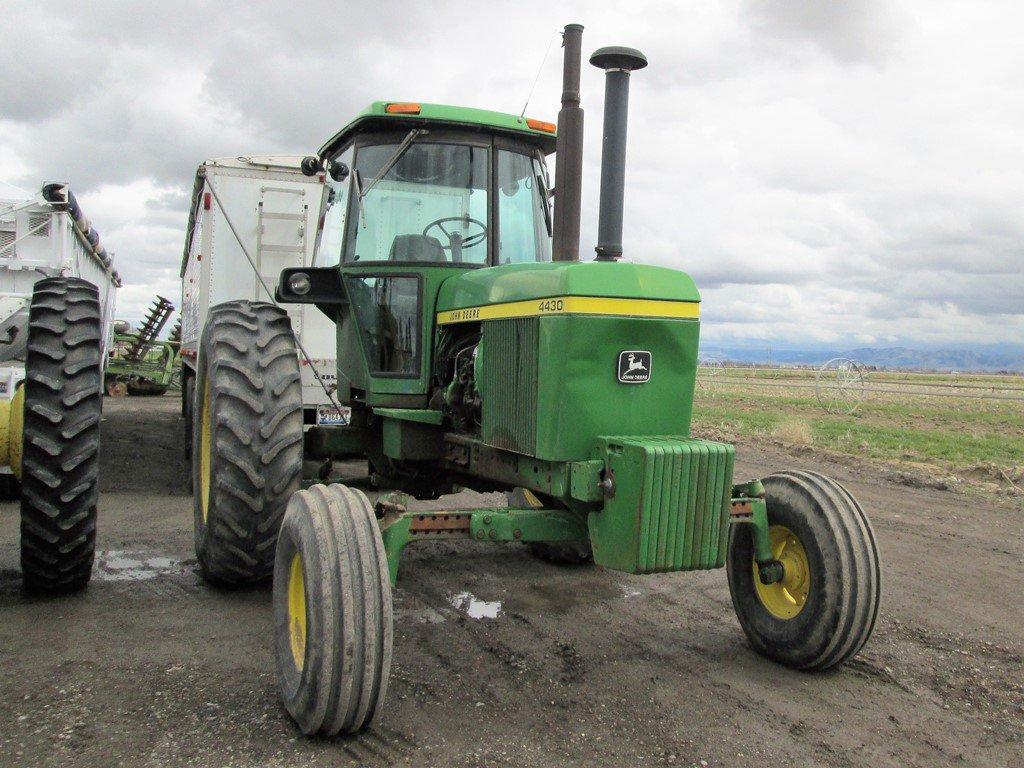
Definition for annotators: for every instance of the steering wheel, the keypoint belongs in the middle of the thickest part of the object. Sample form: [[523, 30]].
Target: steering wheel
[[456, 238]]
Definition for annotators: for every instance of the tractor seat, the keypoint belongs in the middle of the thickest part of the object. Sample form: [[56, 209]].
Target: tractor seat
[[416, 248]]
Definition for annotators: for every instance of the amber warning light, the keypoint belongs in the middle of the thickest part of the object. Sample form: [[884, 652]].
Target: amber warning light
[[402, 109]]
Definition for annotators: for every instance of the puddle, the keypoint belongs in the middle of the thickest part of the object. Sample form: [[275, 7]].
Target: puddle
[[119, 565], [474, 607]]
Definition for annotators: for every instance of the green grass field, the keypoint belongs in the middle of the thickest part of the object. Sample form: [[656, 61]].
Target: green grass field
[[957, 432]]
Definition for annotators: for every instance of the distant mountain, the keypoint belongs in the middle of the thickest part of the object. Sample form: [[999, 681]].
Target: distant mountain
[[989, 358], [938, 359]]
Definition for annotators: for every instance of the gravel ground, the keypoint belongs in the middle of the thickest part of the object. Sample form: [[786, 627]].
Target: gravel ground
[[578, 666]]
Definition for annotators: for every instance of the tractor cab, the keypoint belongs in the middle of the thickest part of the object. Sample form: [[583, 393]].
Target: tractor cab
[[437, 185], [415, 194]]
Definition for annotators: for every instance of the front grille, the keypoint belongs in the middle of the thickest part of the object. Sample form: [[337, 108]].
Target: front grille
[[6, 238], [509, 384]]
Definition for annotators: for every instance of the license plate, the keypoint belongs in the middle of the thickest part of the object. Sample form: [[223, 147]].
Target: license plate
[[327, 415]]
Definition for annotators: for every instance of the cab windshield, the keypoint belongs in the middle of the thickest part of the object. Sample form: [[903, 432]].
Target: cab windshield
[[415, 200]]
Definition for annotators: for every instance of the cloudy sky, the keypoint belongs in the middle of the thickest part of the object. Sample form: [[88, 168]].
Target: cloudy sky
[[841, 173]]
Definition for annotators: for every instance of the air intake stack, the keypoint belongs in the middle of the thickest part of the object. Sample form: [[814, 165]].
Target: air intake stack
[[569, 152], [617, 62]]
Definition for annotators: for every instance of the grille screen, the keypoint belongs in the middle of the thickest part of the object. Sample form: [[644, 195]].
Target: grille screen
[[509, 380]]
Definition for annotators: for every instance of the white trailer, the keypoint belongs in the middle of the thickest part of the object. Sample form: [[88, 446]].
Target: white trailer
[[250, 218], [57, 301]]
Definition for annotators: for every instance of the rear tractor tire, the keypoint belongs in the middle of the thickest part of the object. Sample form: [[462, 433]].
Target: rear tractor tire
[[246, 439], [333, 621], [823, 610], [60, 445]]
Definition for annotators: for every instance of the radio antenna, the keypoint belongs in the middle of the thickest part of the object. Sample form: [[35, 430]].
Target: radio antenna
[[541, 69]]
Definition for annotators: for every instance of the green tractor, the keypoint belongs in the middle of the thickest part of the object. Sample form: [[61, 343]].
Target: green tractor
[[475, 350]]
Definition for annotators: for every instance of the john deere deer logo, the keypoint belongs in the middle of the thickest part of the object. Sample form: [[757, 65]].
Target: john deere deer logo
[[634, 366]]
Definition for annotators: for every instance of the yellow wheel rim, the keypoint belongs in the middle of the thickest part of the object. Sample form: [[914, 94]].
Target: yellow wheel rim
[[297, 611], [15, 433], [785, 599], [204, 450]]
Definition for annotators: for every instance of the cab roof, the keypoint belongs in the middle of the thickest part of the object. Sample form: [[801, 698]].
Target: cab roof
[[377, 117]]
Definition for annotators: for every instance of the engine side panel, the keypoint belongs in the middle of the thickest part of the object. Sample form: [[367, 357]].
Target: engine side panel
[[551, 385]]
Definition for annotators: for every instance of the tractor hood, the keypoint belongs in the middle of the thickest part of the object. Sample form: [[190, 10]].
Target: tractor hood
[[525, 282]]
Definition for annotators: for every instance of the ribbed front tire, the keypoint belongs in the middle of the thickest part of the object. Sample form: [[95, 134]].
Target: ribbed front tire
[[61, 435], [246, 439], [824, 609], [333, 624]]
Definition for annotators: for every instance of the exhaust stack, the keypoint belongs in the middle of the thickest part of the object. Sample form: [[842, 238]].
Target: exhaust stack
[[617, 62], [569, 152]]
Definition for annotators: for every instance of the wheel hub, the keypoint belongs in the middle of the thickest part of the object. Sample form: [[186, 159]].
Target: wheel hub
[[786, 598]]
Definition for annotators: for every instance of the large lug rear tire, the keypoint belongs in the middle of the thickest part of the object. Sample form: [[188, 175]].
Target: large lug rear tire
[[246, 439], [61, 435], [333, 622], [824, 609]]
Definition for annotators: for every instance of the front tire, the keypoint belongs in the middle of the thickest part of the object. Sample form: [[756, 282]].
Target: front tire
[[61, 435], [333, 623], [247, 439], [824, 609]]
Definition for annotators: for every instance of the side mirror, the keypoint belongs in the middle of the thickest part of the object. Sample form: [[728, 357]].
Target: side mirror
[[310, 166], [338, 170]]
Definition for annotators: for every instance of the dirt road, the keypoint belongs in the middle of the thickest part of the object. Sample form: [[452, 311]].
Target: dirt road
[[150, 667]]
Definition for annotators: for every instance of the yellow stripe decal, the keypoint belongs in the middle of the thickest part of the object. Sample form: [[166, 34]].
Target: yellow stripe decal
[[573, 305]]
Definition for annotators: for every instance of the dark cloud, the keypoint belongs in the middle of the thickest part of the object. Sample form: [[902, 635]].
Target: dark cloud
[[825, 170]]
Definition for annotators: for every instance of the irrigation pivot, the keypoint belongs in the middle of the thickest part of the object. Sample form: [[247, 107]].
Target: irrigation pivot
[[839, 385]]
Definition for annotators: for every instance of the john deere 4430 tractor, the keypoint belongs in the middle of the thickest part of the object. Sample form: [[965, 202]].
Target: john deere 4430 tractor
[[475, 350]]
